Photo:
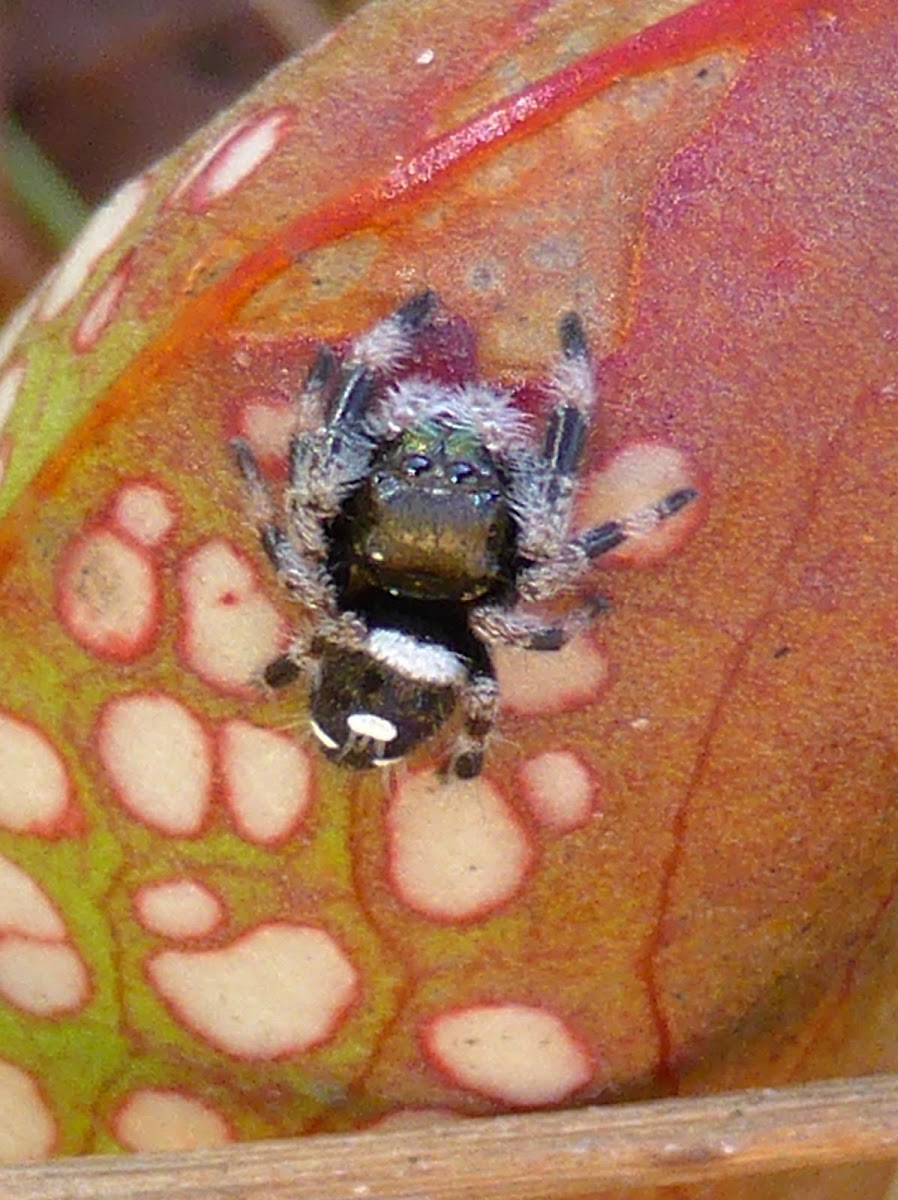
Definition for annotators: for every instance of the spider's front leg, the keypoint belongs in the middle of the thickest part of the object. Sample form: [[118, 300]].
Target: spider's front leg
[[543, 488], [327, 461]]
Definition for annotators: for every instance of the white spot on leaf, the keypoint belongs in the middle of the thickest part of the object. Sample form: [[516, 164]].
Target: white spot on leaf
[[158, 757], [275, 992], [513, 1053], [457, 850]]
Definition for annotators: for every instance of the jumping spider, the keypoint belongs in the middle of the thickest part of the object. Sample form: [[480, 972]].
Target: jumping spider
[[418, 518]]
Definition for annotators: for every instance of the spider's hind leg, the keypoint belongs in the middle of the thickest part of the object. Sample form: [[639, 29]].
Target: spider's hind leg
[[479, 702]]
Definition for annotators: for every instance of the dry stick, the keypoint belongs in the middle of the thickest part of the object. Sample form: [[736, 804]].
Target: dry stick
[[534, 1156]]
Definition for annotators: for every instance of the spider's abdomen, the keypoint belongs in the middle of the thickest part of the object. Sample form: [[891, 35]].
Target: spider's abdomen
[[432, 520]]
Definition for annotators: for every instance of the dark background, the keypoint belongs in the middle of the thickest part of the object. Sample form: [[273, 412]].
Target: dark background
[[94, 90]]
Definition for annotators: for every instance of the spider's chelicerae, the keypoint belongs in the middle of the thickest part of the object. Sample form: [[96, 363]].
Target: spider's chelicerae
[[420, 519]]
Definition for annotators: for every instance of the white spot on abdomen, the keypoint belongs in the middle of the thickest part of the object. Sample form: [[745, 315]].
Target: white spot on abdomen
[[98, 237], [178, 908], [514, 1053], [275, 992], [108, 596], [267, 779], [229, 630], [533, 683], [370, 725], [27, 1127], [158, 758], [559, 789], [457, 851], [34, 787], [159, 1119]]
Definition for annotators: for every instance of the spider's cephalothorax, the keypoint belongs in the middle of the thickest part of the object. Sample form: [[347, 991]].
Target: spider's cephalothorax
[[420, 518]]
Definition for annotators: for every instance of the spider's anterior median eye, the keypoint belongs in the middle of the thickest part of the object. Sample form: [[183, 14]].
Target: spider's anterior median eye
[[416, 464], [460, 471]]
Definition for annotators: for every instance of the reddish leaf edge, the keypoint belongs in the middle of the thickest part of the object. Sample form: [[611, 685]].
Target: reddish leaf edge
[[382, 201]]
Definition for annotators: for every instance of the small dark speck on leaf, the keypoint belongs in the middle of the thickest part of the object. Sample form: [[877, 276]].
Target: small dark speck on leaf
[[701, 73], [782, 651]]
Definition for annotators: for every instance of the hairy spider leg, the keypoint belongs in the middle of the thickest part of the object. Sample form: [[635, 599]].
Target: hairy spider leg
[[479, 702], [304, 579], [611, 534], [544, 494], [544, 580], [323, 464], [544, 489], [327, 461], [526, 631], [568, 422]]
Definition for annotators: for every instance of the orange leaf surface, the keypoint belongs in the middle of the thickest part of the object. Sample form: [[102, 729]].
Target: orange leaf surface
[[677, 870]]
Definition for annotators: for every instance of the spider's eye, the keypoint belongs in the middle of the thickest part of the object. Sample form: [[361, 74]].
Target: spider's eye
[[460, 471], [416, 464]]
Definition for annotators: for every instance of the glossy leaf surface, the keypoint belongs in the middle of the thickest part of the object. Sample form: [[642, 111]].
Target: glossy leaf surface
[[677, 870]]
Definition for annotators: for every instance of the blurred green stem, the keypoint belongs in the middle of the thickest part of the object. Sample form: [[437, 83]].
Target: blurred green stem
[[50, 200]]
